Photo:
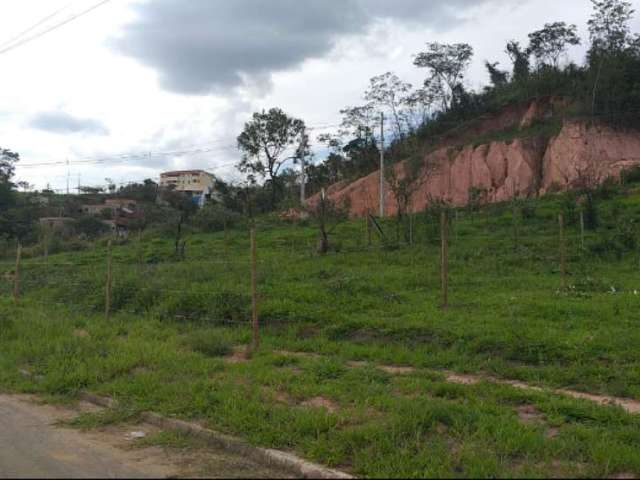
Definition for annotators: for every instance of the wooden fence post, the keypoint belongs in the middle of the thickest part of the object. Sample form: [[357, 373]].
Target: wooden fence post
[[108, 289], [16, 278], [411, 227], [444, 258], [254, 292], [582, 244], [46, 252], [563, 253], [516, 233]]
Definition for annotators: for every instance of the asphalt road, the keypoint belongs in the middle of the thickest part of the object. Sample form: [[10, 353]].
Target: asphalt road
[[33, 445]]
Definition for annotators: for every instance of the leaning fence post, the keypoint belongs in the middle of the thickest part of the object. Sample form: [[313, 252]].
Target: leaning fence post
[[16, 278], [254, 292], [563, 265], [107, 303], [444, 258]]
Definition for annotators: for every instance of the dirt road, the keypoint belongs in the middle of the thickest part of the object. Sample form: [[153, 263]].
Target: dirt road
[[32, 446]]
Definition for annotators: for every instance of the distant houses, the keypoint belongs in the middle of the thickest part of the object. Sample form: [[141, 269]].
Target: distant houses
[[197, 184], [119, 214]]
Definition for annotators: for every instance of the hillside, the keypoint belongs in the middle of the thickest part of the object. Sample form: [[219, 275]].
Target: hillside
[[359, 367], [524, 151]]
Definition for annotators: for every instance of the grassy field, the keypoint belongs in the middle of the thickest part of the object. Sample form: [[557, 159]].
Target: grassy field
[[329, 322]]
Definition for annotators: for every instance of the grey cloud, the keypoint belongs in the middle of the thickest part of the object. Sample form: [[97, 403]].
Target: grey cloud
[[201, 46], [61, 122]]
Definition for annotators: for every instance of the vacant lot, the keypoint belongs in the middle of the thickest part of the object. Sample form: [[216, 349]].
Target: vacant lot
[[327, 381]]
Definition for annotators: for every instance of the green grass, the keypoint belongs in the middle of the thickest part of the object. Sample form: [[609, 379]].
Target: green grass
[[174, 322]]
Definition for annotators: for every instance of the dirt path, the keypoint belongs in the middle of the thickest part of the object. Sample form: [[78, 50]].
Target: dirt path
[[33, 446]]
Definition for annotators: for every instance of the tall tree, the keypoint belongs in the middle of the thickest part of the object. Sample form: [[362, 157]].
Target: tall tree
[[520, 58], [609, 25], [388, 92], [268, 141], [550, 43], [8, 160], [448, 64], [498, 77], [609, 32], [420, 104]]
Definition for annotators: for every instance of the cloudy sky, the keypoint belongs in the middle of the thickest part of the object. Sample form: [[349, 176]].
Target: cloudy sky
[[139, 86]]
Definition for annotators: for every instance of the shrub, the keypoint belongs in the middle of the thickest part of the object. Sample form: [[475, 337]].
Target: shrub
[[210, 343], [207, 306], [632, 175], [92, 227], [213, 218]]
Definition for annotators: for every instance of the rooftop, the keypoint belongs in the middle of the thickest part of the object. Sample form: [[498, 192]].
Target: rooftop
[[184, 172]]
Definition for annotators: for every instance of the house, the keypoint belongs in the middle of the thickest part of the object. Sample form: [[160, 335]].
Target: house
[[117, 207], [94, 210], [198, 184], [124, 214]]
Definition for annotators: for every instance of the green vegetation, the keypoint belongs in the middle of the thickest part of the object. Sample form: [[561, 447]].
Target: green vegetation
[[328, 323]]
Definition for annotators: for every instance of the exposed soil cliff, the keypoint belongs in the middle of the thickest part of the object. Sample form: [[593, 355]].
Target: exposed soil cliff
[[498, 170]]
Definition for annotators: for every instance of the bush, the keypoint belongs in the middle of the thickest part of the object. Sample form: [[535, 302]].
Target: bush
[[210, 343], [213, 218], [632, 175], [92, 227], [206, 306]]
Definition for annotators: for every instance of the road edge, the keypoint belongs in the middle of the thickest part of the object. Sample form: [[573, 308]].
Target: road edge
[[265, 456]]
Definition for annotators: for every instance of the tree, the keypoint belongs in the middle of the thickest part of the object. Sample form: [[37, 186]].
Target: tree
[[609, 25], [551, 42], [8, 160], [111, 185], [420, 104], [405, 179], [327, 215], [90, 226], [185, 207], [520, 59], [447, 63], [359, 123], [267, 142], [499, 78], [609, 35], [142, 192], [388, 92]]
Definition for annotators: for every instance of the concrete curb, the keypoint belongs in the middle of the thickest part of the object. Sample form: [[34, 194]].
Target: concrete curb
[[271, 458]]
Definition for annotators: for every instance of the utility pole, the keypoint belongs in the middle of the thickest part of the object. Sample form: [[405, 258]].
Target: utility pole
[[68, 175], [381, 164], [302, 151]]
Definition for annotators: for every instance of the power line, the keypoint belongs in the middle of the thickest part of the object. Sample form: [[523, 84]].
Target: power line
[[35, 25], [126, 157], [52, 28]]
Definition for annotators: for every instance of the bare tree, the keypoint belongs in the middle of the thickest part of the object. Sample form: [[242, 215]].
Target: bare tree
[[327, 215], [405, 179], [388, 92]]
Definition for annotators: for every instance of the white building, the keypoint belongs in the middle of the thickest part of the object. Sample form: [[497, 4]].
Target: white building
[[198, 184]]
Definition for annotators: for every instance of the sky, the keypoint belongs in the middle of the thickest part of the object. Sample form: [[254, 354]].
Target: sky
[[136, 87]]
